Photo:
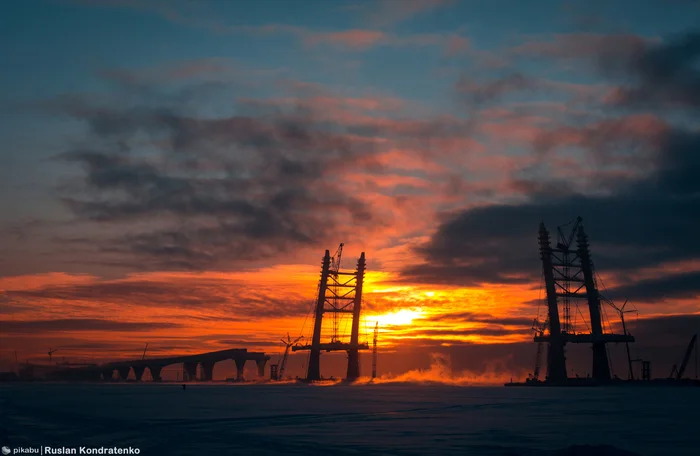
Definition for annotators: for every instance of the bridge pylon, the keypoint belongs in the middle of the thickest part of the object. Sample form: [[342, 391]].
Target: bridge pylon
[[339, 292]]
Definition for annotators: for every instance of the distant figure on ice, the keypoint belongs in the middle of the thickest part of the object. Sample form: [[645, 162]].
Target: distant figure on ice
[[184, 386]]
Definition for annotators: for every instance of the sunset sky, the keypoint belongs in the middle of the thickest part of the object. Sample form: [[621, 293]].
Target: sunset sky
[[173, 171]]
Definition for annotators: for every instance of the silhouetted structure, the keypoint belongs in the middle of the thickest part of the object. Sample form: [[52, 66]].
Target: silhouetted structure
[[277, 370], [569, 274], [563, 267], [678, 371], [338, 292], [155, 365], [556, 361], [374, 350]]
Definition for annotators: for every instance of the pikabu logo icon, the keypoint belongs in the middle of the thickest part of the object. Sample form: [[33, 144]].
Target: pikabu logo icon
[[6, 450]]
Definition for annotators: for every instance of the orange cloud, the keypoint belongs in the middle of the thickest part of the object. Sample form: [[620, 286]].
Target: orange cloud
[[205, 311]]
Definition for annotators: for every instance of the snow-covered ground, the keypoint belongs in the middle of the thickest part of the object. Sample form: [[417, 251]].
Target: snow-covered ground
[[400, 418]]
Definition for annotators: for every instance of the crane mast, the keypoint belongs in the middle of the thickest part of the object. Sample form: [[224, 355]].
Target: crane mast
[[374, 351], [287, 344], [334, 269]]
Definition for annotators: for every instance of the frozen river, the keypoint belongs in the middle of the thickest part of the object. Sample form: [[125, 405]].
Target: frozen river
[[402, 419]]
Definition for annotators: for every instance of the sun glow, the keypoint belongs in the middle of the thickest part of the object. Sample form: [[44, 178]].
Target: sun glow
[[401, 317]]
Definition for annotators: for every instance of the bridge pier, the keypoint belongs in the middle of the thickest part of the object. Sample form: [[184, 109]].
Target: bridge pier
[[138, 372], [208, 371], [191, 371], [108, 374], [261, 367], [124, 372], [240, 367], [155, 373]]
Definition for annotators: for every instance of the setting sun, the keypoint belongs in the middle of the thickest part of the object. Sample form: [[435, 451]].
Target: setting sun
[[399, 318]]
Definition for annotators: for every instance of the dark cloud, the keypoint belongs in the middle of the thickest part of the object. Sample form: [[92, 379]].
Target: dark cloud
[[641, 219], [9, 305], [212, 191], [235, 299], [675, 330], [658, 74], [610, 142], [486, 245], [170, 187], [79, 324], [684, 286]]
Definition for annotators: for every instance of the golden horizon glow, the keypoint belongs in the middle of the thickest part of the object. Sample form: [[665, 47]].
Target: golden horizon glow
[[208, 311], [403, 317]]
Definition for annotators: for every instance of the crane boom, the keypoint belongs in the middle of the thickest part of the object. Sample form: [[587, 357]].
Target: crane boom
[[335, 261], [686, 358], [565, 241], [287, 344], [334, 270]]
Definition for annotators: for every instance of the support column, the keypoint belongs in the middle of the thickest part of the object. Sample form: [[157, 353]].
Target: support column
[[124, 372], [108, 374], [208, 371], [314, 370], [556, 361], [240, 368], [138, 372], [353, 352], [155, 373], [601, 367], [261, 367], [191, 370]]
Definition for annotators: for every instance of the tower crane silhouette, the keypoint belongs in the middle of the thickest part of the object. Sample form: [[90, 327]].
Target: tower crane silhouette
[[287, 344]]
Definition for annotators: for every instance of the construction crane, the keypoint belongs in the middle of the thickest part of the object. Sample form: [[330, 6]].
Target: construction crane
[[288, 343], [564, 242], [374, 351], [334, 268], [51, 352], [539, 329], [335, 260], [144, 352], [678, 373]]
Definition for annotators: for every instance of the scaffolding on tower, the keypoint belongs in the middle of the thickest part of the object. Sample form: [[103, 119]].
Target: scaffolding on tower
[[339, 293], [569, 275]]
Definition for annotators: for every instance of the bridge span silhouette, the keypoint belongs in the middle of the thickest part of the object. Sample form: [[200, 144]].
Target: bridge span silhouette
[[155, 365]]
